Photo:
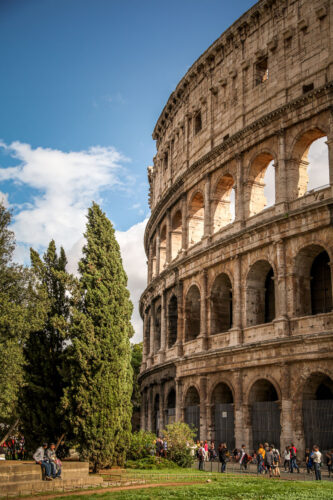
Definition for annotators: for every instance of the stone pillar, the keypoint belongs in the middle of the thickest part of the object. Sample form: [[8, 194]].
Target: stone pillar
[[168, 237], [237, 305], [149, 264], [163, 326], [281, 181], [281, 324], [157, 251], [145, 342], [152, 330], [179, 400], [239, 198], [207, 204], [203, 408], [150, 408], [142, 411], [329, 143], [180, 318], [238, 410], [184, 222], [286, 419], [203, 311], [162, 407]]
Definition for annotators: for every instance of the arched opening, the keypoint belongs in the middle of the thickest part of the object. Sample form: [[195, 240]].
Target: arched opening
[[223, 416], [265, 414], [176, 235], [318, 411], [260, 303], [147, 332], [221, 304], [153, 259], [192, 313], [313, 281], [223, 207], [310, 164], [196, 219], [156, 415], [162, 248], [172, 320], [157, 343], [171, 407], [192, 410], [261, 183]]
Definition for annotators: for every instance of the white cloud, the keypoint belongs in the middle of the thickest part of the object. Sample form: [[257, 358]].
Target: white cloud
[[66, 183]]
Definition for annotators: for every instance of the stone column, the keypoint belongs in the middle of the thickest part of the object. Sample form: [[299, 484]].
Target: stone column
[[179, 400], [281, 323], [203, 311], [163, 326], [286, 408], [207, 220], [145, 341], [152, 330], [162, 406], [237, 305], [142, 411], [157, 251], [238, 410], [203, 408], [329, 143], [184, 222], [239, 199], [150, 408], [281, 181], [150, 265], [168, 237], [180, 318]]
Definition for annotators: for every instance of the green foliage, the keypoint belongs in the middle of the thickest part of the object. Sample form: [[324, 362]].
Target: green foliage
[[41, 414], [151, 463], [98, 363], [20, 311], [141, 444], [179, 437], [136, 360]]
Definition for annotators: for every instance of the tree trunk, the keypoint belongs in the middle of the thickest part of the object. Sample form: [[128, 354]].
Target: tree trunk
[[10, 430]]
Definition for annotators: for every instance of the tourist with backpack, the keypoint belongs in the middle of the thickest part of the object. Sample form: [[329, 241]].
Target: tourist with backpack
[[276, 461], [269, 461], [223, 453], [201, 456]]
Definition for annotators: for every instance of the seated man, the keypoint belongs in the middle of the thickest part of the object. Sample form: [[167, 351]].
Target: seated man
[[41, 458], [54, 462]]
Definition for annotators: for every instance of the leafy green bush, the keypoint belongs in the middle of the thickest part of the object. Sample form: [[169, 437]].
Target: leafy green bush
[[179, 437], [151, 463], [141, 445]]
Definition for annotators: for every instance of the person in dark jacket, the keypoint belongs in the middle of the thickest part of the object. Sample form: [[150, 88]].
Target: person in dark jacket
[[223, 452]]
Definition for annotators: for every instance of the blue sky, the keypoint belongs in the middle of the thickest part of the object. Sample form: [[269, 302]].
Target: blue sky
[[83, 83]]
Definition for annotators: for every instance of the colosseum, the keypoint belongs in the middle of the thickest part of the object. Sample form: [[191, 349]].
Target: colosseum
[[238, 319]]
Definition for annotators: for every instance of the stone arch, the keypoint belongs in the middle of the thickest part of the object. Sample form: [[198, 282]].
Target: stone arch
[[157, 339], [313, 283], [260, 294], [192, 313], [196, 218], [222, 210], [265, 412], [176, 234], [171, 406], [172, 320], [222, 418], [298, 173], [221, 304], [259, 167], [317, 406], [192, 409], [163, 243]]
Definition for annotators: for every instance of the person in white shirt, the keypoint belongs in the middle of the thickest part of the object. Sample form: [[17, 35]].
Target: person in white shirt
[[316, 458]]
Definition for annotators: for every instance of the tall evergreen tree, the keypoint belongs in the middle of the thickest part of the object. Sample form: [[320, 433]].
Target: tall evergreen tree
[[99, 375], [40, 401], [20, 311]]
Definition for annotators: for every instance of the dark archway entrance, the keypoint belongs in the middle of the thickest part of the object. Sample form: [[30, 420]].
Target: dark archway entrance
[[172, 321], [171, 407], [321, 286], [260, 299], [192, 410], [265, 416], [221, 305], [223, 416], [192, 314], [156, 415], [318, 411]]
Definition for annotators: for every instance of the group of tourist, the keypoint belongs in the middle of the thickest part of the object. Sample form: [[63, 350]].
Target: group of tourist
[[51, 465], [13, 449], [267, 458], [161, 448]]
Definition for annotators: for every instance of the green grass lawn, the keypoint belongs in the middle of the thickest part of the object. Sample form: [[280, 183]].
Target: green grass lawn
[[220, 487]]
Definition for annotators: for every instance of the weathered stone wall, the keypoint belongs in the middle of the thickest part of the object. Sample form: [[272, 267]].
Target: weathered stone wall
[[262, 93]]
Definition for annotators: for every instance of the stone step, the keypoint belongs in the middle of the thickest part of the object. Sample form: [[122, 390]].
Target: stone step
[[27, 487]]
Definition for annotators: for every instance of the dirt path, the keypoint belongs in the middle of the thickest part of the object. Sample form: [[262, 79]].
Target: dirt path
[[103, 490]]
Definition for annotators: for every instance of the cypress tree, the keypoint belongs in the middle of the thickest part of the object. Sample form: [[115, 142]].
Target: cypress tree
[[40, 400], [98, 398]]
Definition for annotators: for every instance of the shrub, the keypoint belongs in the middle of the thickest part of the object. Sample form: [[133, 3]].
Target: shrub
[[151, 463], [179, 437], [141, 445]]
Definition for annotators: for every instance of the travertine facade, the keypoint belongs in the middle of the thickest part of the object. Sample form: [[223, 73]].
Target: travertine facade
[[238, 321]]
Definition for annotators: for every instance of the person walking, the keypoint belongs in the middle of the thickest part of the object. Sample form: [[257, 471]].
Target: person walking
[[286, 456], [40, 456], [329, 462], [243, 458], [308, 460], [293, 458], [317, 457], [276, 461], [269, 460], [201, 456], [223, 450], [261, 453]]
